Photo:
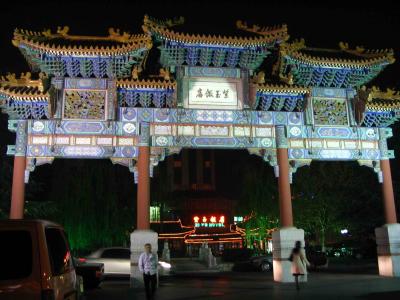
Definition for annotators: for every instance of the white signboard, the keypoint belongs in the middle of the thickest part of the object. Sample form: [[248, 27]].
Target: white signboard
[[211, 94]]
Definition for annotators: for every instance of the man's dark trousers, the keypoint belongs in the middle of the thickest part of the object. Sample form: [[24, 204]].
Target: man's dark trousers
[[150, 284]]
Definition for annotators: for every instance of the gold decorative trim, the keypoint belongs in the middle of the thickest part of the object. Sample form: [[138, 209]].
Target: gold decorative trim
[[146, 83], [366, 58], [380, 100], [44, 42], [278, 32], [362, 52], [24, 88], [275, 88], [150, 26]]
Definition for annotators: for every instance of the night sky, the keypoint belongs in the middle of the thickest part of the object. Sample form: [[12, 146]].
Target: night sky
[[321, 25]]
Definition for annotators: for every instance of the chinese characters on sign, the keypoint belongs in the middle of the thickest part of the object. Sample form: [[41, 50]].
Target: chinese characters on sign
[[212, 221], [206, 94]]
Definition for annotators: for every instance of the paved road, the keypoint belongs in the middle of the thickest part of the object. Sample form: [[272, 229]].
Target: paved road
[[252, 285]]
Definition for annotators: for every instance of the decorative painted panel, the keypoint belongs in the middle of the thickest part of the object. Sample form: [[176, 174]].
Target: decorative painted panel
[[329, 92], [210, 130], [214, 116], [84, 104], [330, 111], [85, 83]]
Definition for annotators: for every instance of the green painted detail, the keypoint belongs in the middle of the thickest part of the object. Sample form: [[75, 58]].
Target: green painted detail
[[314, 75], [11, 150], [12, 125], [119, 66]]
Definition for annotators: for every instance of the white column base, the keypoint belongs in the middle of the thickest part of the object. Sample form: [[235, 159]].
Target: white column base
[[138, 239], [388, 249], [283, 241]]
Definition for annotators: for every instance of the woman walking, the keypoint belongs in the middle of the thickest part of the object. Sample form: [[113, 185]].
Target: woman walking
[[299, 262]]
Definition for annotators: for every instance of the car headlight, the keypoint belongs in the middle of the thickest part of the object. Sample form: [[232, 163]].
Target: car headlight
[[165, 264]]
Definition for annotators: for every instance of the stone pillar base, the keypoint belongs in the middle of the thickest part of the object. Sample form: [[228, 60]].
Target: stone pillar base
[[166, 254], [283, 241], [388, 249], [138, 239]]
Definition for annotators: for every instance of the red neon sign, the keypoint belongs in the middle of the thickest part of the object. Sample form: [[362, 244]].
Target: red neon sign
[[209, 221]]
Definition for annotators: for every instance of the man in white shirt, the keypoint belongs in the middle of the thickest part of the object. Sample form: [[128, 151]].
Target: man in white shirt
[[148, 266]]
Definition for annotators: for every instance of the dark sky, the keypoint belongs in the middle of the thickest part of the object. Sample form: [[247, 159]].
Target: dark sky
[[320, 23]]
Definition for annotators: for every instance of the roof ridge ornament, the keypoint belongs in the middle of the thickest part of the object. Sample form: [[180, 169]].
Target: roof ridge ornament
[[389, 94], [162, 31], [25, 80], [264, 31], [163, 23], [259, 78], [63, 33], [362, 60], [362, 52]]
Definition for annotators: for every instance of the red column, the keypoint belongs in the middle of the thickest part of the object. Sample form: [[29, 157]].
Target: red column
[[143, 191], [285, 198], [18, 188], [388, 195]]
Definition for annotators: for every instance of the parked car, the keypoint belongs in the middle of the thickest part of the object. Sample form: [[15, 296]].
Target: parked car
[[36, 262], [316, 257], [248, 260], [117, 261], [92, 273]]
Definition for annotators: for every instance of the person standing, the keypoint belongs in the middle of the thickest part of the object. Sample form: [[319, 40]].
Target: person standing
[[299, 262], [148, 266]]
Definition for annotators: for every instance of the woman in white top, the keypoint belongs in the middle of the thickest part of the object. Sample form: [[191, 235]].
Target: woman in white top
[[299, 262]]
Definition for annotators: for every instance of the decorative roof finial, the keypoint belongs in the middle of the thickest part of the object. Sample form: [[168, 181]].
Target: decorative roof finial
[[165, 74]]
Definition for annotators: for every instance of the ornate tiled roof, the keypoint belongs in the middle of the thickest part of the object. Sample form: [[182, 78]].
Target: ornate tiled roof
[[146, 84], [361, 57], [375, 108], [23, 88], [157, 91], [343, 68], [161, 30], [383, 101], [24, 98], [62, 43], [282, 89]]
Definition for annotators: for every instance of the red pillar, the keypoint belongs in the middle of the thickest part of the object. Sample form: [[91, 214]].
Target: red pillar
[[388, 195], [285, 198], [18, 188], [143, 191]]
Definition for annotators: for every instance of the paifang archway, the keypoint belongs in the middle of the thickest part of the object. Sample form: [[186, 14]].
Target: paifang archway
[[93, 102]]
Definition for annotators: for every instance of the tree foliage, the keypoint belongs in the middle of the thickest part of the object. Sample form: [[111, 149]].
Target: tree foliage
[[329, 196]]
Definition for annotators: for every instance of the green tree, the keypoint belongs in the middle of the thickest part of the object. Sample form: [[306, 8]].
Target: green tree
[[331, 196], [259, 199]]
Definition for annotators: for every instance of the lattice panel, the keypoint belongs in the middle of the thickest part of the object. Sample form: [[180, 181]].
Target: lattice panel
[[84, 104], [330, 111]]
